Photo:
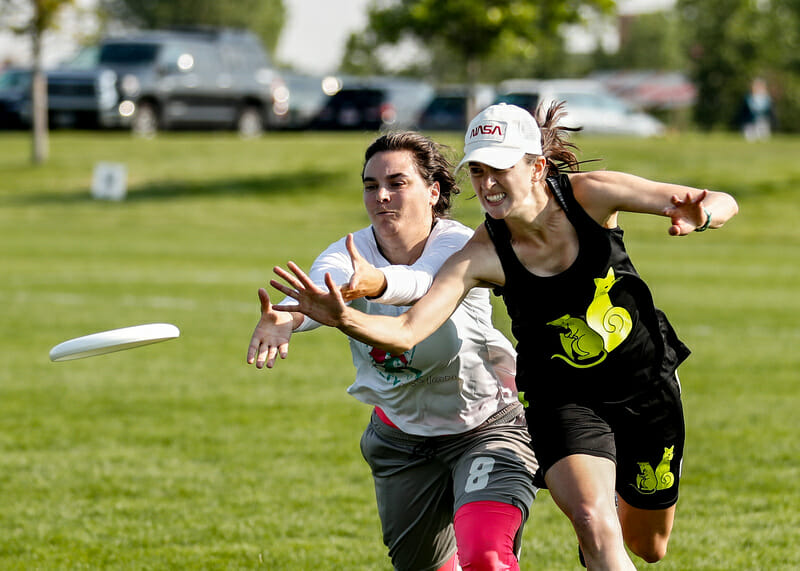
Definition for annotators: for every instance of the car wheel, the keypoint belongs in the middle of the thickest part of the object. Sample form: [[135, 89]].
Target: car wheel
[[145, 121], [250, 123]]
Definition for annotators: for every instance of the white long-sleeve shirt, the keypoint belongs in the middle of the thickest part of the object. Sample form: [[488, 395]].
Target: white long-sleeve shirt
[[453, 380]]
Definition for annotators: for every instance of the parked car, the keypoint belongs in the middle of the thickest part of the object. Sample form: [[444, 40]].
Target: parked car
[[448, 110], [306, 97], [375, 103], [190, 78], [588, 104], [15, 98], [75, 98]]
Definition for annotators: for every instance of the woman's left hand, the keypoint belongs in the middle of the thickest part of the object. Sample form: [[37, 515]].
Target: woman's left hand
[[687, 214]]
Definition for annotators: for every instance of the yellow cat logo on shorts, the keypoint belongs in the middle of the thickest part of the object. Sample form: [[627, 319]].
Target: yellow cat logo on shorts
[[649, 481]]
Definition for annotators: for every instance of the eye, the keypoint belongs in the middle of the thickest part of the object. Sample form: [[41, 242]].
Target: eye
[[370, 187]]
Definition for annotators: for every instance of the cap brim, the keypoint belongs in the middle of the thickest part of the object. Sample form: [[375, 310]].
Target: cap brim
[[496, 158]]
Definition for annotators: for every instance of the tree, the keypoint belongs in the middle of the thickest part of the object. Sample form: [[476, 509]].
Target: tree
[[651, 41], [733, 41], [474, 31], [35, 18], [265, 18]]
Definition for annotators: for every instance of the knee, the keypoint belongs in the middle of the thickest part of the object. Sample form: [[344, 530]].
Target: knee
[[472, 559], [596, 529], [651, 549]]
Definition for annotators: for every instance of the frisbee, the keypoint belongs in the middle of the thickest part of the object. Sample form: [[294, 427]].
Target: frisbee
[[113, 340]]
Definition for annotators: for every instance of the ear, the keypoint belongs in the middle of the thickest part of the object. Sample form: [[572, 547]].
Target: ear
[[539, 170], [435, 192]]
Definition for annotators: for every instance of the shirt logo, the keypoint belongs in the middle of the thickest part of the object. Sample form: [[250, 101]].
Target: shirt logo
[[395, 369], [489, 131], [586, 343]]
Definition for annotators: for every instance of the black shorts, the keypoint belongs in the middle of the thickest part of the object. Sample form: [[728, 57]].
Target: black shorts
[[643, 436]]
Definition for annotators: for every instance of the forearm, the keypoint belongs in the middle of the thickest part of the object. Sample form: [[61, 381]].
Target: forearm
[[393, 334]]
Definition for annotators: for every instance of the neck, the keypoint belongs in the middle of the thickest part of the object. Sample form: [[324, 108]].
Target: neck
[[535, 218], [403, 248]]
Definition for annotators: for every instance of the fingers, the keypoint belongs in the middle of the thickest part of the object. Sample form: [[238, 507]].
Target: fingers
[[252, 350], [689, 199], [264, 354], [301, 275], [283, 289], [355, 256], [332, 287], [287, 277], [263, 296]]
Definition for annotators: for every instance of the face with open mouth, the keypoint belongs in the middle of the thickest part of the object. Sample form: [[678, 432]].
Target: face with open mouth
[[500, 190]]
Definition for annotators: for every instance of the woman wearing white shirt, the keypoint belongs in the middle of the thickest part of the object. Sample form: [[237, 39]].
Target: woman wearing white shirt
[[447, 441]]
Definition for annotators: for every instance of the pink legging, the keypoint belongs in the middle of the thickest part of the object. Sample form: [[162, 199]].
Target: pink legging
[[485, 533]]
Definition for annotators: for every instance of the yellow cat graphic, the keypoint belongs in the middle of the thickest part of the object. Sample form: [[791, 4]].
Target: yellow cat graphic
[[611, 322], [648, 481], [587, 343]]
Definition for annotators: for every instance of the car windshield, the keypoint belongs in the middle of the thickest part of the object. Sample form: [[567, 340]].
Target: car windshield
[[129, 54]]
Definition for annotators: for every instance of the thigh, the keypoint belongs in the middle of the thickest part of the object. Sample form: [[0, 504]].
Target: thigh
[[581, 480], [496, 463], [414, 497], [650, 437], [567, 429]]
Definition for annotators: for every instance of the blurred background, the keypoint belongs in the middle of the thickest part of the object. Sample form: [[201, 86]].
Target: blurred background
[[645, 66], [159, 157]]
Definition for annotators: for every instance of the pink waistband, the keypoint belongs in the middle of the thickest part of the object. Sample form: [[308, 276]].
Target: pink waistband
[[384, 418]]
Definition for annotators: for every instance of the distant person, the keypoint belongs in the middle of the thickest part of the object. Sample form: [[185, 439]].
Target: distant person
[[597, 361], [756, 116], [447, 442]]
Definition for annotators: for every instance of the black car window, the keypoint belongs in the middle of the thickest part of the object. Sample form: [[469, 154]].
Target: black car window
[[357, 97], [128, 54], [525, 100]]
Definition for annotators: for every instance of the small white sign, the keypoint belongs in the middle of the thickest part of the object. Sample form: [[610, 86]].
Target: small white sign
[[110, 181]]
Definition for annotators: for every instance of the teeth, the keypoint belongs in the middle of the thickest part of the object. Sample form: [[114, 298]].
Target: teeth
[[495, 197]]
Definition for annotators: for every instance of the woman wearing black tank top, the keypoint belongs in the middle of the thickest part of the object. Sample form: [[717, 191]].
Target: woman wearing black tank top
[[596, 358]]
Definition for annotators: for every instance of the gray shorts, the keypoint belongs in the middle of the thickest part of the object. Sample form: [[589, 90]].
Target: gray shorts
[[420, 482]]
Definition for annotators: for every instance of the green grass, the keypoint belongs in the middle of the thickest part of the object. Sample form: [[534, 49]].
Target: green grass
[[180, 456]]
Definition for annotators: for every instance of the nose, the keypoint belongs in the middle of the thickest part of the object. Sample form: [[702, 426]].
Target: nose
[[487, 181], [382, 195]]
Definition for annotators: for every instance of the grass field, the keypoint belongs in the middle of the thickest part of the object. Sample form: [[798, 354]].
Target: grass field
[[180, 456]]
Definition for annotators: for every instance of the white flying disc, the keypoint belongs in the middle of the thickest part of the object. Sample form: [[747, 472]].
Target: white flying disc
[[113, 340]]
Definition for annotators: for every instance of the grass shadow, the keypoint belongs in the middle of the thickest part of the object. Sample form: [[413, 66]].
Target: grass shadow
[[310, 183]]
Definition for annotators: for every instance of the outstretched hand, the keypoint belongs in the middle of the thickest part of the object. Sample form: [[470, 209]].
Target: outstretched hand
[[322, 306], [271, 335], [686, 213], [366, 281]]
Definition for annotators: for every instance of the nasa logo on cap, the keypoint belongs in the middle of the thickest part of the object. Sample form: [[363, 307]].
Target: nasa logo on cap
[[489, 131]]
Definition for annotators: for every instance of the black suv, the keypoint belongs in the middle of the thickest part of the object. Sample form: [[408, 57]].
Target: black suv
[[192, 78]]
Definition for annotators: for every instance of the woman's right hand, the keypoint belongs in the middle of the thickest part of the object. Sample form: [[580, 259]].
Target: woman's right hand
[[271, 335], [325, 307], [367, 280]]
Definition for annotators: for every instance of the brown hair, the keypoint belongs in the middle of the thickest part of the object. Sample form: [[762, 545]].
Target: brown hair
[[431, 163], [557, 150]]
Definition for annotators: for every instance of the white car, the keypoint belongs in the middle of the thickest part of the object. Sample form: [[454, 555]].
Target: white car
[[588, 104]]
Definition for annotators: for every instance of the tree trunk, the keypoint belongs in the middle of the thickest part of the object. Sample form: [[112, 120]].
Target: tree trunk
[[473, 72], [39, 103]]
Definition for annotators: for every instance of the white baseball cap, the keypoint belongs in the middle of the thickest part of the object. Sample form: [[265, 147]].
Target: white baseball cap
[[500, 135]]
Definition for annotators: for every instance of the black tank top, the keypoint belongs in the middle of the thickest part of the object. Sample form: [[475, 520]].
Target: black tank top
[[592, 331]]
